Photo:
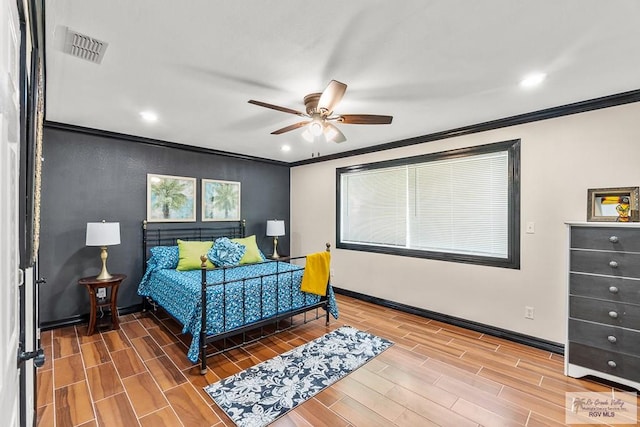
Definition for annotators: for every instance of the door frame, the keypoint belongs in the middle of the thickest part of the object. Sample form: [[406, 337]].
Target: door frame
[[31, 17]]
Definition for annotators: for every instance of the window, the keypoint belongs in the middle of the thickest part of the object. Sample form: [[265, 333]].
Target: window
[[460, 205]]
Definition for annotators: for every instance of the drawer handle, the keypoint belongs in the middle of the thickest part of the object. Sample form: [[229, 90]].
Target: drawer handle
[[612, 364], [614, 239], [612, 339], [613, 289], [613, 314], [613, 264]]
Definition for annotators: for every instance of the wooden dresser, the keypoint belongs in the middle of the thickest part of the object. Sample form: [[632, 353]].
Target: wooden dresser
[[603, 336]]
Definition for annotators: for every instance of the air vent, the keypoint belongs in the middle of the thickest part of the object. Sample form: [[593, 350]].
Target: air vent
[[84, 47]]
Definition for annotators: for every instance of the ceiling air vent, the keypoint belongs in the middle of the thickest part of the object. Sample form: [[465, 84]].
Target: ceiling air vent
[[84, 47]]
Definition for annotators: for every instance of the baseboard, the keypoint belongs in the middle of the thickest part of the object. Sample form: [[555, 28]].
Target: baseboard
[[84, 318], [468, 324]]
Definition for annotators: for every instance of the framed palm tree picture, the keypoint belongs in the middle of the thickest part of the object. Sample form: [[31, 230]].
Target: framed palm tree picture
[[220, 200], [171, 198]]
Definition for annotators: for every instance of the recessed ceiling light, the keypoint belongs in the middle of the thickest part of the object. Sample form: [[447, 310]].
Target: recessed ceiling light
[[532, 80], [149, 116], [285, 148]]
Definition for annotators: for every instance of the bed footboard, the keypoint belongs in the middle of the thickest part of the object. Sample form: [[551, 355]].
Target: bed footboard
[[205, 339], [203, 317]]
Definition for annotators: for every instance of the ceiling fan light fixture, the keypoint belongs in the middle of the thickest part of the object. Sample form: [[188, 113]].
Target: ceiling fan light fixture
[[307, 135], [330, 133], [316, 128]]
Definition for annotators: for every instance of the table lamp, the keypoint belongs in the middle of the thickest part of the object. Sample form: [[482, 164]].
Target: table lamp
[[275, 228], [103, 234]]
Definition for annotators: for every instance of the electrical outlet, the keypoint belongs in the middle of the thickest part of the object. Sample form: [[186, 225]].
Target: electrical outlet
[[529, 312], [102, 293]]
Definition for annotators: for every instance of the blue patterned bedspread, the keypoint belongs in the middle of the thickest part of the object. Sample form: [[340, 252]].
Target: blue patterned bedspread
[[178, 292]]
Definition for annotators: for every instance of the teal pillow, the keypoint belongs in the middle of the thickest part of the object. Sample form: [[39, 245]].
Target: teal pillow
[[165, 256], [226, 253]]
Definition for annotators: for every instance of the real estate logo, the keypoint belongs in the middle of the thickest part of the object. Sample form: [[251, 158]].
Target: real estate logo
[[608, 408]]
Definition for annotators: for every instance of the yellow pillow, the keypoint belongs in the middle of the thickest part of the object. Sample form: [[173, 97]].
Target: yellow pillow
[[189, 255], [252, 253]]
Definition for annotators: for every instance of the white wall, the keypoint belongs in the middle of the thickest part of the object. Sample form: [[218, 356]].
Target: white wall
[[561, 159]]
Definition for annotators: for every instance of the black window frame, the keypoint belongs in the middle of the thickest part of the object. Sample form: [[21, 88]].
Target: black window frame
[[512, 147]]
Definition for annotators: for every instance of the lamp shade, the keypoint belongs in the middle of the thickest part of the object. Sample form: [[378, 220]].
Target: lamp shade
[[103, 233], [275, 227]]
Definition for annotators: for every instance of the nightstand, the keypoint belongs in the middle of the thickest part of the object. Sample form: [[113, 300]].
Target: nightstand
[[109, 301]]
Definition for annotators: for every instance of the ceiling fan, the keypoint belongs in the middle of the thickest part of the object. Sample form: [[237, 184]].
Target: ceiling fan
[[319, 107]]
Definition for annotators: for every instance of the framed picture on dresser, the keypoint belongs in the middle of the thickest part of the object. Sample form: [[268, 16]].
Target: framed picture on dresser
[[618, 204]]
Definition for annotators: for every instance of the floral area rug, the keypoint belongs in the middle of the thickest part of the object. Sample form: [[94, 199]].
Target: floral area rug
[[259, 395]]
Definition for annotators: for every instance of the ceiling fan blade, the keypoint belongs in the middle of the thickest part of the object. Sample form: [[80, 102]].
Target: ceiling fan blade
[[278, 108], [289, 128], [331, 97], [365, 119], [332, 133]]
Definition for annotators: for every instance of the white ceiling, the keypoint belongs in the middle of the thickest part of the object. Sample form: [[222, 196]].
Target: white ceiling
[[433, 65]]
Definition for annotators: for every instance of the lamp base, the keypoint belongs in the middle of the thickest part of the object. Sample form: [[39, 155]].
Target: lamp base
[[104, 274], [275, 249]]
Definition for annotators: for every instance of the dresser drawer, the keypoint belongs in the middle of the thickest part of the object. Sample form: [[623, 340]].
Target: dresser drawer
[[610, 288], [607, 312], [606, 337], [611, 362], [621, 264], [606, 238]]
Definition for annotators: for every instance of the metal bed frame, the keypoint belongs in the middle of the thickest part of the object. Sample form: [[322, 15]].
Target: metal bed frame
[[162, 235]]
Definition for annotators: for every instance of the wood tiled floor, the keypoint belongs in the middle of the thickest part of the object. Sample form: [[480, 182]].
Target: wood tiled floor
[[435, 374]]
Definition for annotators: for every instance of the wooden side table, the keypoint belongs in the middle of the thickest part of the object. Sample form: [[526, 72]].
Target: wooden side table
[[92, 284]]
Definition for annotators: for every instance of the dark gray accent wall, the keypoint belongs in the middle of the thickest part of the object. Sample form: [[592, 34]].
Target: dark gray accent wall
[[87, 177]]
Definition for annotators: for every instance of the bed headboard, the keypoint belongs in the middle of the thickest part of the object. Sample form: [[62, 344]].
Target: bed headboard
[[163, 234]]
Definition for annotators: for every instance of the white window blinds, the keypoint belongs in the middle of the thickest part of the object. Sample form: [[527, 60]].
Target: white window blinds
[[454, 205], [374, 205], [460, 205]]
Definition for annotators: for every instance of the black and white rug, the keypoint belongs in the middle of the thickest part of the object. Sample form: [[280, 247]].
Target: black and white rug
[[259, 395]]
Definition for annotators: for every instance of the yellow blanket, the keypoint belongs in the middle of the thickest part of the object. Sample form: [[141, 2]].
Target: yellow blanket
[[316, 273]]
